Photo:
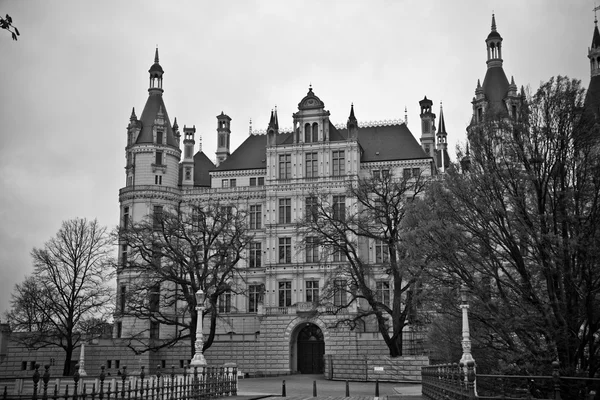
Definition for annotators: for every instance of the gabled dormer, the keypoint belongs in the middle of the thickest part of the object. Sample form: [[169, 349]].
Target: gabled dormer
[[311, 122]]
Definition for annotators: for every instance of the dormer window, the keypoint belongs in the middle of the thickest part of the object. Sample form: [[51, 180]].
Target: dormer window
[[159, 137], [311, 133]]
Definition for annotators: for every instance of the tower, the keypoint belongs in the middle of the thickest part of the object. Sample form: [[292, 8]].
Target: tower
[[223, 134], [427, 127], [592, 98], [442, 158], [187, 164]]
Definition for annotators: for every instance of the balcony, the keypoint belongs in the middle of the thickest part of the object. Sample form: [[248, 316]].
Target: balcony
[[304, 307]]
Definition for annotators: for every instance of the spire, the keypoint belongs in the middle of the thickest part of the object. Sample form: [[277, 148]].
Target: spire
[[133, 116], [276, 119], [493, 24], [352, 117], [175, 126], [352, 124], [156, 73], [442, 125], [156, 56], [405, 116]]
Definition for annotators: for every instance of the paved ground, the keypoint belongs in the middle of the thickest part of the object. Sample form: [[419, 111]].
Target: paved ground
[[300, 387]]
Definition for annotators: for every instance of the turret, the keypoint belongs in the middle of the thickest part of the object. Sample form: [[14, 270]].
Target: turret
[[494, 46], [188, 156], [427, 127], [223, 137], [273, 128], [312, 119], [156, 73]]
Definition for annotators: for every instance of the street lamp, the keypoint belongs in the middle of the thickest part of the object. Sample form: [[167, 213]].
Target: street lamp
[[466, 338], [199, 360]]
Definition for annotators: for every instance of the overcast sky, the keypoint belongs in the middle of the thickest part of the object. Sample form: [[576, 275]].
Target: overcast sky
[[68, 84]]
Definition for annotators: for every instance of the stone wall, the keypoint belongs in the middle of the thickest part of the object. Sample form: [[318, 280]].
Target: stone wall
[[372, 368]]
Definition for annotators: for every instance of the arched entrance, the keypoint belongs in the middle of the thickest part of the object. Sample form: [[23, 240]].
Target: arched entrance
[[311, 349]]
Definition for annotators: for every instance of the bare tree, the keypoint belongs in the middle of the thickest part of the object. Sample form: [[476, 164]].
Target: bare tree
[[381, 217], [521, 228], [171, 257], [68, 289], [6, 23]]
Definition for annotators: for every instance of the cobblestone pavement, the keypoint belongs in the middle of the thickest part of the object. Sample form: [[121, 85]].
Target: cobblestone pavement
[[300, 387]]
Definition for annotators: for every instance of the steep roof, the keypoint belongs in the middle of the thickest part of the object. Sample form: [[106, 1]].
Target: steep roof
[[596, 38], [153, 105], [495, 88], [251, 154]]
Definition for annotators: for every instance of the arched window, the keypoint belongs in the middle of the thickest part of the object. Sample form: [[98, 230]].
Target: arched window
[[307, 136], [315, 132]]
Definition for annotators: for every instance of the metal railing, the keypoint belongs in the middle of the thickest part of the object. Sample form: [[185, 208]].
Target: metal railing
[[447, 381], [202, 383]]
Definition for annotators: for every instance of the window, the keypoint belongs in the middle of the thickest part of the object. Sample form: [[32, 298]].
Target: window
[[312, 209], [315, 132], [285, 166], [382, 254], [32, 365], [339, 165], [255, 260], [383, 291], [159, 158], [312, 250], [154, 329], [285, 211], [338, 255], [125, 217], [312, 291], [118, 362], [381, 173], [255, 216], [311, 165], [225, 302], [311, 133], [285, 250], [225, 183], [406, 173], [232, 183], [255, 293], [339, 294], [158, 179], [285, 294], [339, 207], [157, 217], [124, 255], [159, 137], [154, 298], [109, 364], [23, 365], [119, 334], [261, 181], [163, 364], [123, 298], [416, 172], [479, 114], [252, 181]]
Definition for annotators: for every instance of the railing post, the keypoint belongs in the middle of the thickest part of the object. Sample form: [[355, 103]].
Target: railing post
[[102, 377], [471, 378], [36, 380], [158, 383], [283, 393], [347, 388], [556, 379], [123, 378], [314, 388], [76, 382], [46, 379]]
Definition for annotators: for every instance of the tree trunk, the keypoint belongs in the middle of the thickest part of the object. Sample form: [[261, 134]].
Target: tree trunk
[[67, 365]]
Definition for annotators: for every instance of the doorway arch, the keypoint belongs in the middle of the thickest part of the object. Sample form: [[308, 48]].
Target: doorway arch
[[310, 346]]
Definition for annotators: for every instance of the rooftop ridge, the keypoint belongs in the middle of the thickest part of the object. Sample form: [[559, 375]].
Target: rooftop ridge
[[364, 124]]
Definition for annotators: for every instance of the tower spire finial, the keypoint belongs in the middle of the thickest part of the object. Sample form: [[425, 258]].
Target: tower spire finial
[[595, 16], [493, 22], [156, 55]]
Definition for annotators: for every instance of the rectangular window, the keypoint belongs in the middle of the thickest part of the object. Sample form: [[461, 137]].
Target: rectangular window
[[23, 365], [311, 209], [406, 173], [159, 137], [118, 363], [376, 174], [255, 217], [163, 364], [311, 165], [123, 298], [255, 260], [119, 334], [125, 217], [382, 254], [225, 183], [340, 292], [123, 255], [416, 172], [339, 162], [312, 250], [157, 217], [109, 364], [339, 207], [252, 181], [312, 291], [159, 158], [232, 183], [225, 302], [381, 173], [285, 250], [154, 329], [32, 365], [383, 292], [338, 255], [158, 179], [154, 298], [255, 293], [285, 211], [285, 294], [285, 166], [261, 181]]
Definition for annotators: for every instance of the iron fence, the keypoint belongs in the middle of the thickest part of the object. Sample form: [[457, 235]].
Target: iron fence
[[449, 381], [201, 383]]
